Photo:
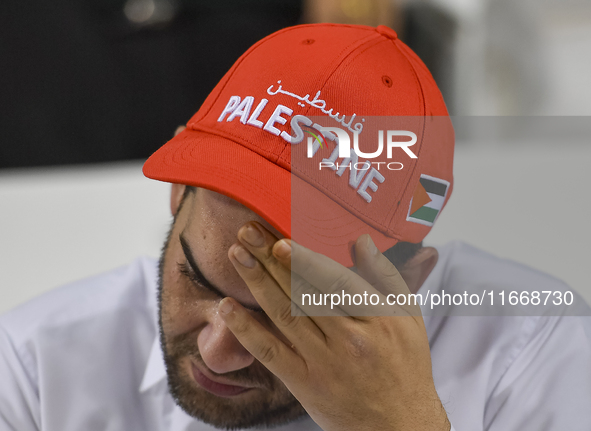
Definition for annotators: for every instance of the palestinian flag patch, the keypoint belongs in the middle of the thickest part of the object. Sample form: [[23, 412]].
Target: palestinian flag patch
[[427, 200]]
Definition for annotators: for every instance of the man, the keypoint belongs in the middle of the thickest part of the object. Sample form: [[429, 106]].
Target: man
[[264, 217]]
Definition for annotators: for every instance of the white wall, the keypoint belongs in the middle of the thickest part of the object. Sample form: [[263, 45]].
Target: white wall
[[59, 225]]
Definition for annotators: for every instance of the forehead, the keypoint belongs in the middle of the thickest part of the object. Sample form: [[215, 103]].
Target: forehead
[[210, 228], [214, 211]]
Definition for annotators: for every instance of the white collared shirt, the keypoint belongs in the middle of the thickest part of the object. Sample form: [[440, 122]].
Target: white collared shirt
[[86, 356]]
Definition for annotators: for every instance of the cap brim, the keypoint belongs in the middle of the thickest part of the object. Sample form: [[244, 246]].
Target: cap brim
[[291, 205]]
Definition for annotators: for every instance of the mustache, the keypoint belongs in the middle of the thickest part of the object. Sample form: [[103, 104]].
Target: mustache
[[185, 345]]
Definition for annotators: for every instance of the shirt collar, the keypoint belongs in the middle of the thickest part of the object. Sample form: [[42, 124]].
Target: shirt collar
[[155, 369]]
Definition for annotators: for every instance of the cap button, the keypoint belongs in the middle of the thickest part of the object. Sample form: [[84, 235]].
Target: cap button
[[387, 32]]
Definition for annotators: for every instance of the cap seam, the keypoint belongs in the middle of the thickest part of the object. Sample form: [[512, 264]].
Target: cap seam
[[352, 49], [357, 51], [380, 38]]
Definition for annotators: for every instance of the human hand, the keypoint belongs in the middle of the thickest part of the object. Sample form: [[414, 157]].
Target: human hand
[[349, 373]]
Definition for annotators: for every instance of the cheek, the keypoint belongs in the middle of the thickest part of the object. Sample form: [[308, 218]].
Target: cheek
[[183, 310]]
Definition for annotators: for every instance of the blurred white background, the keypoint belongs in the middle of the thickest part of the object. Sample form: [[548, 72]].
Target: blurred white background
[[516, 199], [518, 57]]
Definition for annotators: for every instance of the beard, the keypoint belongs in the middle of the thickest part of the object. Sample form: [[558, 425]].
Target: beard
[[268, 404]]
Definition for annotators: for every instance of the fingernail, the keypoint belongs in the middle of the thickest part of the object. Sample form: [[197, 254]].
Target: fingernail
[[283, 249], [243, 256], [373, 250], [253, 236], [226, 306]]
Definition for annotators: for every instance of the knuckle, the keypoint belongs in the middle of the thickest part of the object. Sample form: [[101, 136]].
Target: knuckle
[[268, 353], [259, 277], [387, 327], [308, 291], [341, 283], [240, 326], [299, 287], [275, 267], [388, 271], [357, 345], [285, 317], [265, 256], [391, 279]]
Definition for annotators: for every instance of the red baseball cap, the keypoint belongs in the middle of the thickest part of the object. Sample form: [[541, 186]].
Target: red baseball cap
[[247, 141]]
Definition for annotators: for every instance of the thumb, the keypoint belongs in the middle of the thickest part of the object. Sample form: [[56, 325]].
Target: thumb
[[376, 269]]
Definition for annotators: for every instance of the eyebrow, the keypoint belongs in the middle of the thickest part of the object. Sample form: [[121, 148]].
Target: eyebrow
[[202, 280]]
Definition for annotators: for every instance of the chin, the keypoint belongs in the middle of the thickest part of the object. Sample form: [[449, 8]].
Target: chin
[[254, 407]]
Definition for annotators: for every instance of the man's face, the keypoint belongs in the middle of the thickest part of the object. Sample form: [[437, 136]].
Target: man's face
[[211, 376]]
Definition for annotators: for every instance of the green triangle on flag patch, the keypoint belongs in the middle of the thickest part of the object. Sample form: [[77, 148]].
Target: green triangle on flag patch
[[427, 200]]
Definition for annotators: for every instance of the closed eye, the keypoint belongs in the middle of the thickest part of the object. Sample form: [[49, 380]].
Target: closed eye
[[185, 269], [190, 269]]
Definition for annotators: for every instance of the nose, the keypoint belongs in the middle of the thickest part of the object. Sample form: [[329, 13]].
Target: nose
[[219, 348]]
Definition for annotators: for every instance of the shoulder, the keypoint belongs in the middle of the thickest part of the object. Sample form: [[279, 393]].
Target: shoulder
[[482, 352], [515, 308], [506, 287], [127, 290], [95, 333], [462, 264]]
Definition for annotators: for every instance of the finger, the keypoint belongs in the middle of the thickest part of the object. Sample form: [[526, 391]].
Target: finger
[[275, 257], [378, 271], [309, 299], [301, 290], [345, 289], [282, 252], [347, 295], [311, 302], [179, 129], [273, 300], [260, 242], [276, 356]]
